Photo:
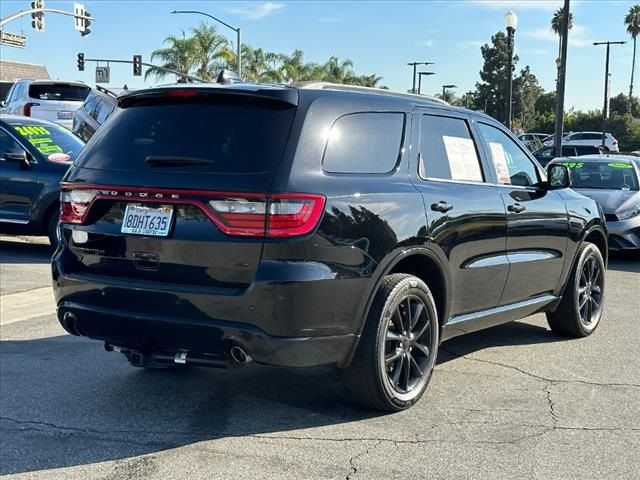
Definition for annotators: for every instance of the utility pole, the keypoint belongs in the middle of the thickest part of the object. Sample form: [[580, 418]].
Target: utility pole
[[414, 65], [511, 22], [444, 90], [605, 107], [562, 76]]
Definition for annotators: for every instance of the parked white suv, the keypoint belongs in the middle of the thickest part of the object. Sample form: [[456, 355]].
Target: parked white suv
[[46, 99], [588, 138]]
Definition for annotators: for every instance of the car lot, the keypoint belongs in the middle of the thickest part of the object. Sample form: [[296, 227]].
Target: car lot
[[512, 401]]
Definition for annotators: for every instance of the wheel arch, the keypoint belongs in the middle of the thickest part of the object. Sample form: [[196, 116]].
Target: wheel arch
[[424, 264]]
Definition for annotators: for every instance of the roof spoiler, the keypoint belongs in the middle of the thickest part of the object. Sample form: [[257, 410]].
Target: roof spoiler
[[204, 92]]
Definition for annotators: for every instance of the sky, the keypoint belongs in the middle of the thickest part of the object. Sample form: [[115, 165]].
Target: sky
[[380, 37]]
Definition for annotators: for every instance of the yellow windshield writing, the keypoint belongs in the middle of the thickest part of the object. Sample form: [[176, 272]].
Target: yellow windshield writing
[[39, 137]]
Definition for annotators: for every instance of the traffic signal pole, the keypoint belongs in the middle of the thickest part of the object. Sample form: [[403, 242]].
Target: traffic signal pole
[[168, 70], [22, 13]]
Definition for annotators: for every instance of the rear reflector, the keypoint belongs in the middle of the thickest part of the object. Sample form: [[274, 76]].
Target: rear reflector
[[242, 214]]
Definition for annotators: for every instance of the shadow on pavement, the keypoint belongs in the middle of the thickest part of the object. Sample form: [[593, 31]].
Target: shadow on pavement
[[66, 402], [624, 262], [24, 253]]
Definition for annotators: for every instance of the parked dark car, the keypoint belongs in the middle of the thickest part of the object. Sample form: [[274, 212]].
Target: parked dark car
[[34, 156], [95, 110], [317, 224], [545, 154]]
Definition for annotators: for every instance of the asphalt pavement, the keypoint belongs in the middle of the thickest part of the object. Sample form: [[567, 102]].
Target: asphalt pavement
[[515, 401]]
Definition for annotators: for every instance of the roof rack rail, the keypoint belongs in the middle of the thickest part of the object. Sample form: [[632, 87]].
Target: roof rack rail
[[105, 90], [357, 88]]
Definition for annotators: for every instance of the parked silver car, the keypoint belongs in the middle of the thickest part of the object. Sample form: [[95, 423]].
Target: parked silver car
[[612, 181]]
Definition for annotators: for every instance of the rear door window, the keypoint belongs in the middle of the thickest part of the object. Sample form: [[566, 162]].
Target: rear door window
[[104, 109], [447, 150], [364, 143], [58, 91], [223, 137]]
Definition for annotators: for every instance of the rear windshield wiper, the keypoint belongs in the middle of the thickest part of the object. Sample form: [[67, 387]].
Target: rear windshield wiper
[[175, 161]]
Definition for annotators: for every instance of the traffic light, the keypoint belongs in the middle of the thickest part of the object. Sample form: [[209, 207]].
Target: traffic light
[[87, 23], [81, 62], [137, 65], [82, 23], [37, 21]]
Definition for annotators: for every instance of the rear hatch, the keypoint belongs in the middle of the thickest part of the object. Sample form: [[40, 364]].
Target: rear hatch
[[173, 189], [56, 101]]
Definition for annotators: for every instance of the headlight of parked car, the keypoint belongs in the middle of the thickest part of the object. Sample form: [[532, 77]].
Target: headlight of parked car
[[629, 213]]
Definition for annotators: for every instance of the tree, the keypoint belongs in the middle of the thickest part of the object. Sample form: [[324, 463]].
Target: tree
[[632, 21], [492, 89], [178, 56], [620, 105], [211, 51], [526, 91], [546, 103], [337, 71], [556, 26]]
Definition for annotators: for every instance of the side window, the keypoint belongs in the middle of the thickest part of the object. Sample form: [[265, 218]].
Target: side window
[[512, 165], [106, 109], [568, 151], [6, 143], [447, 150], [10, 93], [594, 136], [364, 143]]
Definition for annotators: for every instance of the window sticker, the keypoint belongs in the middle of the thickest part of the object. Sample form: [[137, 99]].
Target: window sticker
[[500, 162], [620, 165], [463, 160], [39, 137], [573, 165]]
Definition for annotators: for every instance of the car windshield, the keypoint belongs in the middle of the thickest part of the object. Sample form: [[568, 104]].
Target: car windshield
[[59, 91], [53, 142], [603, 175]]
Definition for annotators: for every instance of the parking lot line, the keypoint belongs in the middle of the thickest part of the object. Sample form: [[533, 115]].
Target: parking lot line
[[20, 306]]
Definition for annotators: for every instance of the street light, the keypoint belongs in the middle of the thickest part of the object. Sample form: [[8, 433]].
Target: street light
[[420, 74], [237, 30], [444, 89], [414, 65], [605, 108], [511, 22]]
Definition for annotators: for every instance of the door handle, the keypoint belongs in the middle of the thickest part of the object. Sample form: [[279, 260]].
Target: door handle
[[516, 208], [441, 206]]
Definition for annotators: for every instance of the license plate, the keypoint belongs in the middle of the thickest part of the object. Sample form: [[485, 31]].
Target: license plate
[[65, 115], [145, 220]]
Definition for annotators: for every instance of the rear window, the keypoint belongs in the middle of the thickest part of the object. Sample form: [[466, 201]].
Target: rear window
[[58, 91], [198, 138]]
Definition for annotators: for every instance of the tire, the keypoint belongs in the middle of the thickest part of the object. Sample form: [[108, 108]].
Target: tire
[[580, 310], [396, 354], [52, 228]]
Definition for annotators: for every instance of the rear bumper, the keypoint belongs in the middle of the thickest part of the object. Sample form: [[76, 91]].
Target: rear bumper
[[290, 316], [152, 334]]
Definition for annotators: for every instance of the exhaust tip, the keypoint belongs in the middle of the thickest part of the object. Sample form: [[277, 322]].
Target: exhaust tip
[[239, 355], [70, 321]]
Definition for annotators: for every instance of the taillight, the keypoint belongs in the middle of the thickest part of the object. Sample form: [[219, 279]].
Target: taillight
[[278, 216], [26, 110], [74, 205]]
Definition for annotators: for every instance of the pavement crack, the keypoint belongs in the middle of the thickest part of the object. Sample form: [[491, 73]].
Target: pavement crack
[[552, 407], [352, 460], [537, 377]]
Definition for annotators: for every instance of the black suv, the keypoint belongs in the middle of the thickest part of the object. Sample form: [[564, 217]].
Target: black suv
[[316, 224]]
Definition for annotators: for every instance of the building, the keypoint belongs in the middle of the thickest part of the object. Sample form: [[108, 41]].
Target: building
[[12, 71]]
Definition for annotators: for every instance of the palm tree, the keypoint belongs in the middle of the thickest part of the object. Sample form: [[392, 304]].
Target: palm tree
[[337, 71], [632, 21], [211, 51], [556, 26], [180, 56]]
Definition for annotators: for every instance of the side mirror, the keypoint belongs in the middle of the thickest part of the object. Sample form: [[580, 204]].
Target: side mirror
[[3, 104], [17, 155], [559, 176]]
